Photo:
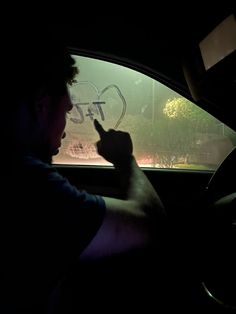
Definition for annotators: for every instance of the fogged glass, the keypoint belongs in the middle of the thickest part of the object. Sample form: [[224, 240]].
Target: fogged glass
[[168, 131]]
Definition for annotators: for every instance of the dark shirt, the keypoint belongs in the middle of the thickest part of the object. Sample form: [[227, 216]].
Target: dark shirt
[[45, 224]]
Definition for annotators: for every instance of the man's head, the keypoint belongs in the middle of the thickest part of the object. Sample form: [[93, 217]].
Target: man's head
[[37, 78]]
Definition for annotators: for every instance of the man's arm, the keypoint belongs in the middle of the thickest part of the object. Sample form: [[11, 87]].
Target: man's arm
[[131, 223]]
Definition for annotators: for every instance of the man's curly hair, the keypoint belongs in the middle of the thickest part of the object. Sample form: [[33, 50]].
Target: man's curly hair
[[40, 64]]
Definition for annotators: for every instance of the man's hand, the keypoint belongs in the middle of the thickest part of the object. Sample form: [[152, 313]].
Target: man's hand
[[135, 221], [115, 146]]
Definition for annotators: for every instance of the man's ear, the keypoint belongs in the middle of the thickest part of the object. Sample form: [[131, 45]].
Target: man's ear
[[42, 107]]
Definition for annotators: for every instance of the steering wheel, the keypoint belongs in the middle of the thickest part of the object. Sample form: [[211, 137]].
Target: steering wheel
[[222, 182], [219, 279]]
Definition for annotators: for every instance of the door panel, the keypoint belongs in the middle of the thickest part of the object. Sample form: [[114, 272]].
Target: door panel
[[173, 270], [177, 188]]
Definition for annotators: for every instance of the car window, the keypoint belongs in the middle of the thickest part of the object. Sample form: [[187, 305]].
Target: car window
[[168, 131]]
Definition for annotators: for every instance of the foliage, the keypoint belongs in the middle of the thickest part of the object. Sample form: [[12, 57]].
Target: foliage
[[176, 136], [180, 129], [181, 109], [139, 128]]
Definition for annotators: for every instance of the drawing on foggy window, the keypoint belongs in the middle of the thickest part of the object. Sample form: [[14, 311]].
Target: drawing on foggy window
[[167, 130], [93, 104], [107, 105]]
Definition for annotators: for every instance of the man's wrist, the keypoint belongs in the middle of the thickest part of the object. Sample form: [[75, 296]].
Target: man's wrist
[[125, 163]]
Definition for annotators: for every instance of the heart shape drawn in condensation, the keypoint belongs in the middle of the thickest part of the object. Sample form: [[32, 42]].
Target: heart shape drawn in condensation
[[107, 106], [91, 102]]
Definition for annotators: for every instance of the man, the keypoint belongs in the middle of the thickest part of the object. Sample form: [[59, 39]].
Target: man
[[47, 223]]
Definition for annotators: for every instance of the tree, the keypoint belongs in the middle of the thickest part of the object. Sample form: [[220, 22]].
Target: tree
[[180, 129], [181, 109]]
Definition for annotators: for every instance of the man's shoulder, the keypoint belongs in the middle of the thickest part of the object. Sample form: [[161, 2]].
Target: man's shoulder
[[32, 161], [35, 166], [38, 175], [35, 174]]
